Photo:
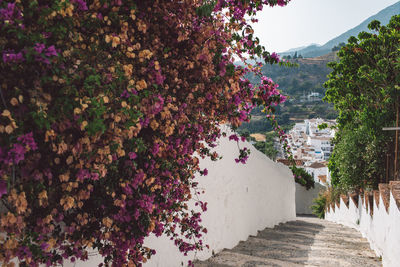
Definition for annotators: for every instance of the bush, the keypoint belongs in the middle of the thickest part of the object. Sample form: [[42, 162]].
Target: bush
[[319, 207], [363, 87], [103, 105], [302, 177], [325, 199]]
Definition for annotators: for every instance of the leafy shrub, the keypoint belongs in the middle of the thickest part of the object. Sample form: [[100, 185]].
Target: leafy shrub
[[302, 177], [320, 206], [103, 105], [324, 199], [363, 86]]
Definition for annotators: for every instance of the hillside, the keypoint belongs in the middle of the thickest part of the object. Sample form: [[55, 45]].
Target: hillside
[[304, 87], [315, 50]]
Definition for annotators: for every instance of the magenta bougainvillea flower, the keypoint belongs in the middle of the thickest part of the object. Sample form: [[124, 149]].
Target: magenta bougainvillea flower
[[106, 108]]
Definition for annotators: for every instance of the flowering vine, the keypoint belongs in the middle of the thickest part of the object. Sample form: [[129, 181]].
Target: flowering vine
[[103, 106]]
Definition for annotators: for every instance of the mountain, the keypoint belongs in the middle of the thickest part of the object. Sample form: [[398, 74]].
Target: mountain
[[303, 85], [300, 48], [315, 50]]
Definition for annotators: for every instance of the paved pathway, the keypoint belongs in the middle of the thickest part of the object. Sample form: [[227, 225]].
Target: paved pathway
[[305, 242]]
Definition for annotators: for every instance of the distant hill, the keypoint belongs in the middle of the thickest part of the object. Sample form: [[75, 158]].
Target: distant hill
[[315, 50], [300, 48], [299, 84]]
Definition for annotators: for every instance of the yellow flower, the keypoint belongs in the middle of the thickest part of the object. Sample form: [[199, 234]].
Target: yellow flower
[[42, 197], [21, 204], [115, 41], [67, 202], [69, 160], [14, 101], [140, 85], [83, 125], [64, 177], [108, 39], [128, 69], [145, 54], [107, 222], [6, 113], [9, 129], [154, 125]]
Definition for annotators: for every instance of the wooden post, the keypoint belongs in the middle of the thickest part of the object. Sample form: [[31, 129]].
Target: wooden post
[[387, 168], [396, 148]]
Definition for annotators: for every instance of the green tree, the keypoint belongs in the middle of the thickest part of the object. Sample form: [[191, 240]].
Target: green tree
[[363, 86], [337, 47]]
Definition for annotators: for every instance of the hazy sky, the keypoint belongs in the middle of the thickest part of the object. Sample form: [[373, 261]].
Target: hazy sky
[[303, 22]]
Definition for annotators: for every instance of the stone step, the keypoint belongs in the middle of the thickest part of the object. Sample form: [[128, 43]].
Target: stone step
[[304, 242]]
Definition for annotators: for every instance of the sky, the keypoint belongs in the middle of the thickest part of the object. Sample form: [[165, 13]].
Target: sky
[[303, 22]]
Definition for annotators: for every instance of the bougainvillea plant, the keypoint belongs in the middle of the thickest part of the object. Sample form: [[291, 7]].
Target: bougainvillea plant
[[103, 106]]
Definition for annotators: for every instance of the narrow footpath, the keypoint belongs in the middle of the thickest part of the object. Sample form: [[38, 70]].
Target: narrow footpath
[[307, 241]]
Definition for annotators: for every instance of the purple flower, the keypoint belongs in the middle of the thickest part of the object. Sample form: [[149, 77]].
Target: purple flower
[[10, 13], [95, 176], [46, 34], [159, 78], [243, 115], [42, 59], [51, 51], [205, 172], [125, 94], [275, 56], [17, 153], [3, 188], [28, 140], [155, 149], [281, 2], [39, 48], [6, 13], [83, 174], [132, 155], [234, 137], [44, 246], [81, 5], [237, 100], [11, 56]]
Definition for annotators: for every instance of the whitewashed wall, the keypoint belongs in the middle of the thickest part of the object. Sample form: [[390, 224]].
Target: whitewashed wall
[[304, 198], [382, 229], [242, 199]]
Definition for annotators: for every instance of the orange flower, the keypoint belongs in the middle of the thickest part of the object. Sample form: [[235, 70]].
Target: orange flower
[[154, 125], [140, 85], [42, 197], [107, 222]]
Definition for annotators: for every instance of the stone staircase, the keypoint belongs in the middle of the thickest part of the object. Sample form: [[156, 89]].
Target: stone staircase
[[307, 241]]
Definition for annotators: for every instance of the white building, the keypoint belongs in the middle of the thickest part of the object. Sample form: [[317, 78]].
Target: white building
[[313, 146]]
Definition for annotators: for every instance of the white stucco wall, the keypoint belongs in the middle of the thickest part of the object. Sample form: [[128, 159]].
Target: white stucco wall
[[382, 229], [315, 172], [304, 198], [242, 199]]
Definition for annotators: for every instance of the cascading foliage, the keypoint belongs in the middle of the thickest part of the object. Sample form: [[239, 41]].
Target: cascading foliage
[[103, 105]]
